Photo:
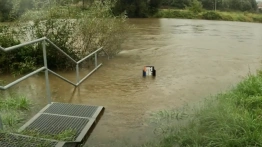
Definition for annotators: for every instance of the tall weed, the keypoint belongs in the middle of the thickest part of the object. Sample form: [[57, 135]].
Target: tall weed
[[232, 118]]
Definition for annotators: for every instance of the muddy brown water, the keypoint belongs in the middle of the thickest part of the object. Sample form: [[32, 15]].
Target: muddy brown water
[[193, 59]]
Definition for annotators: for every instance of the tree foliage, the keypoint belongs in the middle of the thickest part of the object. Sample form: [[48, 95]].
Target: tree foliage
[[6, 8], [196, 6], [137, 8], [77, 32], [237, 5], [180, 4], [11, 9]]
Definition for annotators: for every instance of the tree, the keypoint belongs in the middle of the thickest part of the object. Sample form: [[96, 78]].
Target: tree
[[153, 6], [238, 5], [137, 8], [6, 8], [254, 4], [196, 6], [208, 4]]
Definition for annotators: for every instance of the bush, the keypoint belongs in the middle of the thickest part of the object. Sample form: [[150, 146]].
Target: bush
[[176, 14], [241, 18], [16, 62], [211, 15], [99, 27], [257, 18], [196, 6], [136, 8], [60, 32], [184, 14], [6, 8], [77, 35], [226, 17]]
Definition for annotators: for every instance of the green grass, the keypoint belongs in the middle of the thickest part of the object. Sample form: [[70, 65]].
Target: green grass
[[66, 135], [210, 15], [13, 110], [229, 119]]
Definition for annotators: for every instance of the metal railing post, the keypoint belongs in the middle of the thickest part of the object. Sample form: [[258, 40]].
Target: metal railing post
[[48, 92], [77, 73], [96, 59]]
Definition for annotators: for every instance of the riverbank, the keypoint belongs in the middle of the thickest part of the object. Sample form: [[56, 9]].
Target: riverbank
[[209, 15], [232, 118], [14, 110]]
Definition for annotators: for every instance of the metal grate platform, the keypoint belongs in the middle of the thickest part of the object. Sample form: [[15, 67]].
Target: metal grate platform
[[16, 140], [73, 110], [59, 117], [47, 124]]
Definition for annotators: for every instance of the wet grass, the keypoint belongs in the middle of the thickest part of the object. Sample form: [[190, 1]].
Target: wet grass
[[13, 110], [66, 135], [232, 118], [39, 140], [210, 15]]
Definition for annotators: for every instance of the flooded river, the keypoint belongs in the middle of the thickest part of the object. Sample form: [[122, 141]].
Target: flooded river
[[193, 59]]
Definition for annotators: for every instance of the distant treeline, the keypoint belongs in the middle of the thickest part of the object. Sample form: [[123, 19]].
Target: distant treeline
[[12, 9], [235, 5], [144, 8]]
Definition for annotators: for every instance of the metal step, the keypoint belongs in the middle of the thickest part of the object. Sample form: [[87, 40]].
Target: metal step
[[56, 118], [76, 110]]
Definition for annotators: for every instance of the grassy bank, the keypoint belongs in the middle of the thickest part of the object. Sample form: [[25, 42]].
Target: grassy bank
[[13, 111], [209, 15], [228, 119]]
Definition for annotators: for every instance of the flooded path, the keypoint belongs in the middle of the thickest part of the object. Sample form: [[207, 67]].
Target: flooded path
[[193, 59]]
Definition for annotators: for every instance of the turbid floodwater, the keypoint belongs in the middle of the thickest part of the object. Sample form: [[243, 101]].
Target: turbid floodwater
[[193, 59]]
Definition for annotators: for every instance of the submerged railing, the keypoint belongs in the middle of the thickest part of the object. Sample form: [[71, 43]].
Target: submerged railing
[[46, 69]]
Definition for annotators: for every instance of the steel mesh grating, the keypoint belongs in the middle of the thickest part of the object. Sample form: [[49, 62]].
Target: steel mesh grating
[[71, 109], [12, 140], [47, 124]]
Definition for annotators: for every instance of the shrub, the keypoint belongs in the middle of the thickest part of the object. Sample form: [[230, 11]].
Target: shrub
[[242, 18], [226, 17], [17, 62], [184, 14], [196, 6], [211, 15], [257, 18], [60, 32], [77, 34], [99, 27]]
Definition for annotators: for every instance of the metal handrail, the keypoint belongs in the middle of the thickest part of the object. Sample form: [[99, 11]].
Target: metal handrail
[[46, 69], [22, 78]]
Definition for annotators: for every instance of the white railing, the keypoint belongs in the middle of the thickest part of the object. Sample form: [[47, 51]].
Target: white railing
[[46, 69]]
